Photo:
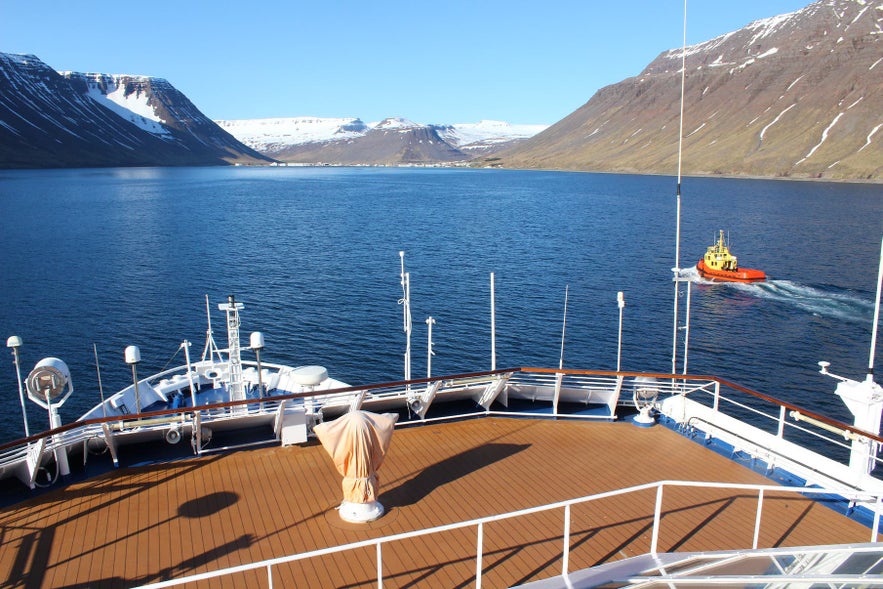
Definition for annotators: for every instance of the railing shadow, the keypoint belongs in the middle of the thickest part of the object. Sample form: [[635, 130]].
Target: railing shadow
[[448, 470]]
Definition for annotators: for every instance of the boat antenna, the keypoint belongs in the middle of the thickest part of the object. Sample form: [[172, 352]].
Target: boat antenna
[[677, 267], [563, 329], [873, 352], [405, 301], [100, 388], [211, 348]]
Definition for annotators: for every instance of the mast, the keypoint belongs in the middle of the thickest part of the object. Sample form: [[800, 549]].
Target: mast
[[870, 376], [677, 267], [405, 301], [237, 391]]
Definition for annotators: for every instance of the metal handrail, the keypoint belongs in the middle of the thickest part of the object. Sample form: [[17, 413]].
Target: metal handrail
[[666, 383], [479, 523]]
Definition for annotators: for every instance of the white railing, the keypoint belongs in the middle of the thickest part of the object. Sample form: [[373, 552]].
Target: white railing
[[479, 524]]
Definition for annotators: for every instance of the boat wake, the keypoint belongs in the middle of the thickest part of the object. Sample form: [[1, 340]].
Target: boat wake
[[830, 302]]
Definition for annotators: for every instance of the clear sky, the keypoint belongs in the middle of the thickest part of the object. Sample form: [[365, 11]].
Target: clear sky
[[443, 61]]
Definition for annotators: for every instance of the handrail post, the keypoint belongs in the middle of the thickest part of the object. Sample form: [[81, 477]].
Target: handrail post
[[717, 396], [379, 566], [270, 576], [565, 555], [757, 519], [478, 555], [876, 527], [781, 432], [657, 516]]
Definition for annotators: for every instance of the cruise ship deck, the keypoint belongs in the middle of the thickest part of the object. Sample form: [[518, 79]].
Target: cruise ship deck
[[153, 523]]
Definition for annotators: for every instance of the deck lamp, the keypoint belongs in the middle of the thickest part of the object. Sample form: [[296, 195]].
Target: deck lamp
[[14, 342], [133, 357], [256, 343]]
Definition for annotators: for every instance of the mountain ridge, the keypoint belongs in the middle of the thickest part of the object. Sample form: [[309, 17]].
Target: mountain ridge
[[50, 119], [791, 96]]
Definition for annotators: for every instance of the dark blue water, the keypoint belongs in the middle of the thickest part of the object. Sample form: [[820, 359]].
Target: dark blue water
[[125, 256]]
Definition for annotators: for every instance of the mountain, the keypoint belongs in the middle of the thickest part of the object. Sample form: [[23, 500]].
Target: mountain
[[797, 95], [52, 119], [393, 141]]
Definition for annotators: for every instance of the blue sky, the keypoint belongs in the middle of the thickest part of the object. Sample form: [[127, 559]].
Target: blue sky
[[449, 61]]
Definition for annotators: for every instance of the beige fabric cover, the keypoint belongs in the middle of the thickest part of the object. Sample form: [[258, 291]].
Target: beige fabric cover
[[357, 442]]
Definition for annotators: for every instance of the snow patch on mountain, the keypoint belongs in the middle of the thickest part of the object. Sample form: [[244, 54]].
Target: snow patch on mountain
[[108, 91], [487, 132], [275, 134], [262, 134]]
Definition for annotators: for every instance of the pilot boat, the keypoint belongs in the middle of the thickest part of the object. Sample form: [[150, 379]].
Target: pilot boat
[[719, 264]]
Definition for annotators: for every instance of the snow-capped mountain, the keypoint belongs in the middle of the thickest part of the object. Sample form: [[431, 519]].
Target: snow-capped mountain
[[796, 95], [52, 119], [486, 136], [344, 140]]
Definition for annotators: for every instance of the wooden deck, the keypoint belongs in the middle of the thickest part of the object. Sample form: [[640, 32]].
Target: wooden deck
[[159, 522]]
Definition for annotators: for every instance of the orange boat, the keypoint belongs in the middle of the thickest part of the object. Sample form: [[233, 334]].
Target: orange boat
[[720, 264]]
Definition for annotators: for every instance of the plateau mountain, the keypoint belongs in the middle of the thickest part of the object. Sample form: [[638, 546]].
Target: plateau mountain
[[392, 141], [798, 95]]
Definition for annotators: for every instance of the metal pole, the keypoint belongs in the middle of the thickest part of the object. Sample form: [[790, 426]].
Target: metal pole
[[493, 327], [406, 303], [687, 326], [14, 342], [870, 376], [677, 268], [620, 300], [186, 345], [100, 387], [429, 353], [563, 329], [135, 384]]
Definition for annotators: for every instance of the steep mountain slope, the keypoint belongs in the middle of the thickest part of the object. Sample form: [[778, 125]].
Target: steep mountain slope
[[798, 95], [48, 119]]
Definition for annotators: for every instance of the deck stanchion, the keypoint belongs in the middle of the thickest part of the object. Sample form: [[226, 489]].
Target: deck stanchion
[[478, 554], [657, 516], [757, 519], [565, 555], [875, 531], [270, 576], [379, 566]]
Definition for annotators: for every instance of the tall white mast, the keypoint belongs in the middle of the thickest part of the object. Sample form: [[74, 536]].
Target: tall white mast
[[677, 267]]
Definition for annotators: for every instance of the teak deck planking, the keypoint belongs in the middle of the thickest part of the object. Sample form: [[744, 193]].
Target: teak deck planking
[[171, 520]]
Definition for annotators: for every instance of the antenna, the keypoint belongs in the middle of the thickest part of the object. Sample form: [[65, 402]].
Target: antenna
[[563, 329], [211, 348], [100, 388], [873, 352], [405, 301], [677, 268]]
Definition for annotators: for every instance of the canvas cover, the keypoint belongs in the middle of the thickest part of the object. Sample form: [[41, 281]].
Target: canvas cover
[[357, 442]]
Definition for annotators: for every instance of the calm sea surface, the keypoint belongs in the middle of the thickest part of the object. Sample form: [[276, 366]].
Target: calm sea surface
[[115, 257]]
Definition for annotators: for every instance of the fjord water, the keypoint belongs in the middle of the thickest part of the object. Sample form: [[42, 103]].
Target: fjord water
[[115, 257]]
